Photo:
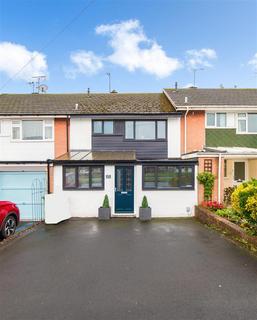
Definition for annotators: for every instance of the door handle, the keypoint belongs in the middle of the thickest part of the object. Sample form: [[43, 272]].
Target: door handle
[[124, 192]]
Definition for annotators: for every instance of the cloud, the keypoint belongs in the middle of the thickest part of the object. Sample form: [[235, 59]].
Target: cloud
[[200, 58], [134, 51], [84, 62], [253, 62], [14, 56]]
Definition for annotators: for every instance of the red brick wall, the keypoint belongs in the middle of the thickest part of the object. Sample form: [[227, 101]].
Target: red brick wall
[[215, 168]]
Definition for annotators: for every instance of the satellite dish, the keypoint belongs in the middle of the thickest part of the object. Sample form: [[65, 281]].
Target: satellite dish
[[42, 88]]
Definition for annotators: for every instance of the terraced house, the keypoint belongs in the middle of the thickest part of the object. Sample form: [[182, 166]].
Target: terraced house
[[61, 153], [219, 128]]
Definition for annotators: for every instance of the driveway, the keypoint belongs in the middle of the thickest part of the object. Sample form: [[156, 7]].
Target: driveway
[[124, 269]]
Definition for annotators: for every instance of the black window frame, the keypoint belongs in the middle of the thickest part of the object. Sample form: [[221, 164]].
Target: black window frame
[[76, 167], [156, 130], [102, 128], [179, 166]]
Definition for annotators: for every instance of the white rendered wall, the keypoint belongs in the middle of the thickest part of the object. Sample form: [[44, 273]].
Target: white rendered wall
[[22, 150], [164, 203], [174, 137], [231, 123], [80, 134], [80, 203]]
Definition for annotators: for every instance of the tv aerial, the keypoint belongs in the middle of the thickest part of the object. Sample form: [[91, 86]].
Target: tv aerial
[[42, 88], [36, 84]]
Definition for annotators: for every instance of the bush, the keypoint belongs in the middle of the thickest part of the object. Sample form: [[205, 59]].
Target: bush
[[144, 203], [230, 214], [227, 194], [106, 202], [207, 180], [244, 200], [212, 205]]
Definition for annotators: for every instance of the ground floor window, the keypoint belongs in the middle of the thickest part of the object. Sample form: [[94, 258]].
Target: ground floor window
[[83, 177], [239, 171], [162, 177]]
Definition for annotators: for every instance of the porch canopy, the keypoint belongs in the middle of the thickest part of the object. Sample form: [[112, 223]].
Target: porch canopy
[[97, 156], [226, 152]]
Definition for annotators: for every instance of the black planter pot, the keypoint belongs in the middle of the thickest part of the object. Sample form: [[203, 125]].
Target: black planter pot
[[145, 214], [104, 213]]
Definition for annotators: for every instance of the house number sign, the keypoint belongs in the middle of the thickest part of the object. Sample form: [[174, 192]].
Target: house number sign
[[108, 176]]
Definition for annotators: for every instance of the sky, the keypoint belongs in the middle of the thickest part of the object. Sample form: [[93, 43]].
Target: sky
[[145, 45]]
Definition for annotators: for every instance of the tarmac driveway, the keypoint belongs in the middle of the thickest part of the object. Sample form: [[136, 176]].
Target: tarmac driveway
[[124, 269]]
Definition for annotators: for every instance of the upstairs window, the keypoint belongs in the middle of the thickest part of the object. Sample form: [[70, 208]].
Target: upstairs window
[[145, 130], [252, 122], [247, 123], [30, 130], [102, 127], [216, 120]]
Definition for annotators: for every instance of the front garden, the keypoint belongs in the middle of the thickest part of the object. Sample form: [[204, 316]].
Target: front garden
[[239, 207]]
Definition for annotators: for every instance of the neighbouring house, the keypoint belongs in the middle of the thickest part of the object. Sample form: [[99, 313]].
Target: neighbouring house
[[31, 131], [219, 128]]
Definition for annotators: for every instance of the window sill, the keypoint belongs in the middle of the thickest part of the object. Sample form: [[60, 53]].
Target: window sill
[[169, 189], [83, 189], [24, 141]]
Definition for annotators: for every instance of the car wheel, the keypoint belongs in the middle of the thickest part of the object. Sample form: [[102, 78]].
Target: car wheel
[[9, 227]]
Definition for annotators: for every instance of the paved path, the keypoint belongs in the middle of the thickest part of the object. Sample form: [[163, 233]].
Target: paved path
[[123, 269]]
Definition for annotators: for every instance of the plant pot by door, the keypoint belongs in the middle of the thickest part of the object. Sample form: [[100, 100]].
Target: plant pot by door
[[145, 214], [104, 213]]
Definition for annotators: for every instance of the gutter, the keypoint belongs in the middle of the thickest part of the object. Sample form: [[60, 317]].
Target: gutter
[[23, 162]]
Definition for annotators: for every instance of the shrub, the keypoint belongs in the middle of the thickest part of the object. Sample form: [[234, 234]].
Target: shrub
[[212, 205], [106, 202], [244, 199], [251, 206], [230, 214], [207, 180], [144, 203], [227, 194]]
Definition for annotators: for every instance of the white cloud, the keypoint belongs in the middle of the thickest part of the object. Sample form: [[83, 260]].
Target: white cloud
[[253, 62], [84, 62], [13, 57], [133, 50], [189, 85], [200, 58]]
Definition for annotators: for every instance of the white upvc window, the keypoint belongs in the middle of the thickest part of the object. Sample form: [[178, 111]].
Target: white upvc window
[[241, 122], [216, 120], [247, 123], [32, 130]]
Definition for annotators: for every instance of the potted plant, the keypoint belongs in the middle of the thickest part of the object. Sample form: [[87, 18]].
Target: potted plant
[[104, 212], [145, 212]]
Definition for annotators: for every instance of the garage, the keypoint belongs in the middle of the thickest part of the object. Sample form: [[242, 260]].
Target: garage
[[27, 189]]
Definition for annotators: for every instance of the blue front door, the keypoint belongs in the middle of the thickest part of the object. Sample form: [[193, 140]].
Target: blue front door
[[124, 189]]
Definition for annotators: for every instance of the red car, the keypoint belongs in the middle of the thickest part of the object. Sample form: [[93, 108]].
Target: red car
[[9, 218]]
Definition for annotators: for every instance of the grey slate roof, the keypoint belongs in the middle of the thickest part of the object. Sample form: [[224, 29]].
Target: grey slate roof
[[61, 104], [207, 97]]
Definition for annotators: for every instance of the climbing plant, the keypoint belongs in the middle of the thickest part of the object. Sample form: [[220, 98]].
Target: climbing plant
[[207, 180]]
